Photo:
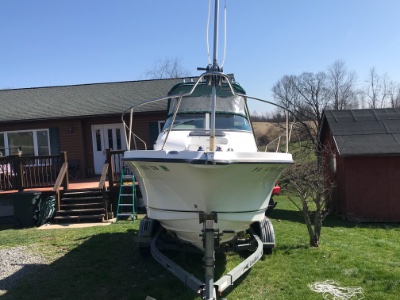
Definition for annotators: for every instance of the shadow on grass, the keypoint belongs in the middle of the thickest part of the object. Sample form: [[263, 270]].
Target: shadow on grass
[[296, 216], [286, 215], [108, 266], [330, 221]]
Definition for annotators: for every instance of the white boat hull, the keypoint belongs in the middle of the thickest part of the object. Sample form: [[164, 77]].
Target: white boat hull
[[178, 185]]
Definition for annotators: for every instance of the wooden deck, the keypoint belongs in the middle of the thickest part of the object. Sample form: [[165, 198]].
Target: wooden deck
[[78, 184], [80, 198], [87, 186]]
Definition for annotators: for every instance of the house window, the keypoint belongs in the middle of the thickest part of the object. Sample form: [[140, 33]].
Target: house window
[[118, 133], [2, 146], [110, 138], [160, 126], [23, 140], [98, 140], [43, 142], [30, 142]]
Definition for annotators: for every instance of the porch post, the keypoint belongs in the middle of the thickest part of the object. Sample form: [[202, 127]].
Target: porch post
[[110, 168], [19, 169], [64, 159]]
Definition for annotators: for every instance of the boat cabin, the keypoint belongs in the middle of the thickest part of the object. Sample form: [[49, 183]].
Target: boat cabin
[[190, 121]]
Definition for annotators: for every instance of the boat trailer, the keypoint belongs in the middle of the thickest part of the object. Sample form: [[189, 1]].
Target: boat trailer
[[262, 239]]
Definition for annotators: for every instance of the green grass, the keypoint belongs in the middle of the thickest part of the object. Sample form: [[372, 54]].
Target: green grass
[[104, 263]]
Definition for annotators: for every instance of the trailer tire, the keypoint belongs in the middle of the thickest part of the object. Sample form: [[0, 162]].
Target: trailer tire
[[265, 232]]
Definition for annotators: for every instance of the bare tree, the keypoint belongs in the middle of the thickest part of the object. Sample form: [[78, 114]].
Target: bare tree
[[377, 89], [167, 68], [341, 86], [306, 96], [285, 93], [310, 191], [394, 94]]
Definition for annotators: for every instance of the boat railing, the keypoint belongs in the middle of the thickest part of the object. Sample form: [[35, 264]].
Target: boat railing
[[276, 143], [210, 77], [129, 134]]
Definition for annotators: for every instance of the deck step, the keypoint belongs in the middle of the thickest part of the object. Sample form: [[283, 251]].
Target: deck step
[[82, 191], [87, 204], [98, 216], [80, 198], [83, 210], [81, 204]]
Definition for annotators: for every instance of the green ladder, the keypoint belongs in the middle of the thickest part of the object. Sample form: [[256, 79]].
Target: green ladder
[[127, 195]]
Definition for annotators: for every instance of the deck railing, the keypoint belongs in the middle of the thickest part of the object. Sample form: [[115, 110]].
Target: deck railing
[[19, 173], [114, 158], [24, 172], [62, 180]]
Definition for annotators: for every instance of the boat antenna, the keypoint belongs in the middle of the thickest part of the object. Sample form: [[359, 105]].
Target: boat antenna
[[207, 30], [213, 79], [212, 65], [215, 68], [223, 59], [215, 52]]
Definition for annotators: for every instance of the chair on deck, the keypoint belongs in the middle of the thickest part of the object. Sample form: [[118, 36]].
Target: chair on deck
[[73, 169]]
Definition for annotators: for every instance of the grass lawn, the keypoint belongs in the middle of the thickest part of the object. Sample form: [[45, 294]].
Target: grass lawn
[[104, 263]]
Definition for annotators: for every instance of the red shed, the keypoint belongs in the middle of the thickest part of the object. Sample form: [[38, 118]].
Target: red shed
[[364, 162]]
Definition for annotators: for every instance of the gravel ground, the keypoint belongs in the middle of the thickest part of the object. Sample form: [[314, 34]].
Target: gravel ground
[[16, 263]]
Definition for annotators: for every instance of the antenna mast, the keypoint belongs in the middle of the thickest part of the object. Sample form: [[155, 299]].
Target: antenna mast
[[214, 81], [215, 53]]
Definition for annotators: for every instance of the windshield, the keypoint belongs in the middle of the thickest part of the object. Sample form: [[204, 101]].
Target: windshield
[[194, 111], [191, 121], [231, 104]]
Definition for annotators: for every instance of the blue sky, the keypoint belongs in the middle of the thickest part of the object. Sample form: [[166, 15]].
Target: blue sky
[[48, 43]]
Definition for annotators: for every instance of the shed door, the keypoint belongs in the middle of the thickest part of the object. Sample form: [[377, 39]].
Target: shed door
[[109, 136]]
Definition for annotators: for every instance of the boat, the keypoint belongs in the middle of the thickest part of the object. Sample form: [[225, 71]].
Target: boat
[[205, 181], [206, 162]]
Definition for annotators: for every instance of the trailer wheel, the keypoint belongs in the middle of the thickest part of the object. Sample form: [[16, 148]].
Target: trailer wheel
[[265, 232]]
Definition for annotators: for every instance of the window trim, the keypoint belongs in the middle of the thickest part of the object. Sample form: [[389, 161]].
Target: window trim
[[160, 126], [34, 136]]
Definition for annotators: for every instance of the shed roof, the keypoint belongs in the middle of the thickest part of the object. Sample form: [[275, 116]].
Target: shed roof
[[81, 100], [365, 131]]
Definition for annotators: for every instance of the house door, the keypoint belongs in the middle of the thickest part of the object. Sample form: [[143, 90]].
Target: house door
[[108, 136]]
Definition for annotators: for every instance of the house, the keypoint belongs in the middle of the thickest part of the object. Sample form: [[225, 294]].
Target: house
[[83, 120], [363, 162]]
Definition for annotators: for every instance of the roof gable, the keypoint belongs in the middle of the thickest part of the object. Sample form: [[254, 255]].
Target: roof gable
[[365, 131]]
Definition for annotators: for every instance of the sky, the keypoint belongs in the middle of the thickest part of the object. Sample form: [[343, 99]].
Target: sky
[[68, 42]]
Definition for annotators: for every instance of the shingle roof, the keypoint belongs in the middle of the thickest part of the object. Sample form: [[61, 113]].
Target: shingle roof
[[81, 100], [365, 131]]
